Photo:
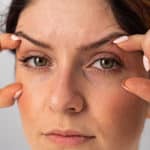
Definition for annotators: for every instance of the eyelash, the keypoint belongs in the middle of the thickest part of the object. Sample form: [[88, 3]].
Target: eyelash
[[25, 62], [117, 64]]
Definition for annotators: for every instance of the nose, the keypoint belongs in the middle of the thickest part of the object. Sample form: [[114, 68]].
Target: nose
[[65, 97]]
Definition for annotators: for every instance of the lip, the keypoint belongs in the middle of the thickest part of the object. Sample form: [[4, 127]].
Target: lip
[[68, 137]]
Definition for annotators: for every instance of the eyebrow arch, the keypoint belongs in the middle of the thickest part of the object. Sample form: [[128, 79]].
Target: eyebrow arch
[[104, 40], [93, 45], [32, 40]]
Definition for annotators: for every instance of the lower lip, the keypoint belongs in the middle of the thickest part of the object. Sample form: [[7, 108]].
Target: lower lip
[[68, 140]]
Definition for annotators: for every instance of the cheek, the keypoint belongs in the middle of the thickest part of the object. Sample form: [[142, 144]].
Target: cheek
[[31, 103], [31, 107], [117, 112]]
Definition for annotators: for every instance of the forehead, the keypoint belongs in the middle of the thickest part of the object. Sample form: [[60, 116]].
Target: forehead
[[72, 19]]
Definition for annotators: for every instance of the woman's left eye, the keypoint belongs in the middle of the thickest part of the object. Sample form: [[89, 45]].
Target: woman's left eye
[[106, 64]]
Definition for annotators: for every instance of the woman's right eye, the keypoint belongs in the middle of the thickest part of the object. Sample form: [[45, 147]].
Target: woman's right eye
[[35, 62]]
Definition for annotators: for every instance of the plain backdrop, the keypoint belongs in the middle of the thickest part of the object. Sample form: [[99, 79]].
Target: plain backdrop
[[11, 133]]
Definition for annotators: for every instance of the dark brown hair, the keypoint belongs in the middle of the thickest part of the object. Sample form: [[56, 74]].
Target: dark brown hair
[[132, 16]]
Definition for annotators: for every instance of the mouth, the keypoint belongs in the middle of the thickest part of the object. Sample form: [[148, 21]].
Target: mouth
[[68, 137]]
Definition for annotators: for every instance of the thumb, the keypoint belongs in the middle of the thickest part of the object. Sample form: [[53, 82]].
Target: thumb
[[9, 94], [138, 86]]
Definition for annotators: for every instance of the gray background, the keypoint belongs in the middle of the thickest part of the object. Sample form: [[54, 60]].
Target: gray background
[[11, 134]]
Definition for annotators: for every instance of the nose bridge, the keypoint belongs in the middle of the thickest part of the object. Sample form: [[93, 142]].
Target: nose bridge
[[66, 74], [65, 95], [64, 86]]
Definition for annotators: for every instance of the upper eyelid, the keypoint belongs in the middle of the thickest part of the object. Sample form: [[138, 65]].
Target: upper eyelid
[[91, 59], [33, 56], [28, 53], [41, 54], [108, 55]]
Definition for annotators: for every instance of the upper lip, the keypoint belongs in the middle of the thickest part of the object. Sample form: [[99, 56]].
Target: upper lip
[[67, 133]]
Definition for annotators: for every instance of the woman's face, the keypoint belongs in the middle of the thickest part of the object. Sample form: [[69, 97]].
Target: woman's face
[[71, 73]]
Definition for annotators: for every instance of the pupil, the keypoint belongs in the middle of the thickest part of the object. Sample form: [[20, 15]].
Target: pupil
[[40, 61], [107, 63]]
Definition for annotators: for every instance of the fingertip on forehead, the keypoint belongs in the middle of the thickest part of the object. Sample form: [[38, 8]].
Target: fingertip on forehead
[[6, 41]]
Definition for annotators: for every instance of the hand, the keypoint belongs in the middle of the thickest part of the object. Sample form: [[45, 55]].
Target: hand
[[9, 94], [136, 85]]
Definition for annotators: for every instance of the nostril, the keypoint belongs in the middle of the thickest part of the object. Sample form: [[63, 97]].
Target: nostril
[[72, 109], [69, 102], [77, 105]]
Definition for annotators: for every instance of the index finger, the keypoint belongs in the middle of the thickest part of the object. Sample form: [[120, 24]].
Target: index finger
[[9, 41], [130, 43]]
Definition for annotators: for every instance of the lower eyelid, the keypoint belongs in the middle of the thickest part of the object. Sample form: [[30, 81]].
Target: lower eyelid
[[36, 69], [24, 60]]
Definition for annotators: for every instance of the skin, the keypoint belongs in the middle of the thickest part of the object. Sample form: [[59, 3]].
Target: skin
[[8, 93], [72, 91]]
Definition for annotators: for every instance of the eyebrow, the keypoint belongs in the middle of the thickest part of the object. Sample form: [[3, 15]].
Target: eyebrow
[[93, 45], [32, 40], [102, 41]]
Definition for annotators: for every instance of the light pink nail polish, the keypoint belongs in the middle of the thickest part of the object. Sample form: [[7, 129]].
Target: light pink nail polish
[[18, 94], [121, 39], [123, 84], [146, 63], [15, 38]]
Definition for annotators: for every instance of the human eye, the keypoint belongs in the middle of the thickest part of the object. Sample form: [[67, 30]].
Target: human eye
[[107, 62], [36, 62]]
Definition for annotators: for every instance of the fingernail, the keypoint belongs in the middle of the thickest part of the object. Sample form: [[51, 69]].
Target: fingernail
[[124, 84], [18, 94], [146, 63], [121, 39], [14, 37]]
